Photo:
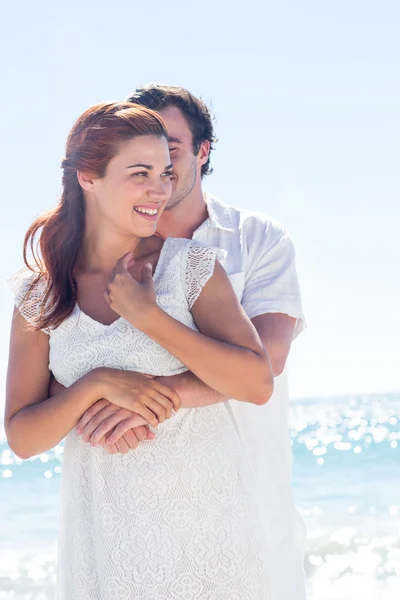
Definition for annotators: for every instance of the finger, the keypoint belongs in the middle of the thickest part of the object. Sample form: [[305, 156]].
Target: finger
[[131, 439], [140, 432], [170, 393], [157, 408], [122, 446], [150, 434], [165, 402], [119, 430], [147, 273], [123, 429], [122, 263], [142, 410], [91, 422], [106, 426], [90, 413], [95, 421], [111, 449], [143, 433], [131, 421]]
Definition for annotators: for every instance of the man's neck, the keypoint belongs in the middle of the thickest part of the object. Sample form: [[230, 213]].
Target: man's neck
[[183, 220]]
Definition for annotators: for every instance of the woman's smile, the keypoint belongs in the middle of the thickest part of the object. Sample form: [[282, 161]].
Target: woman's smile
[[150, 212]]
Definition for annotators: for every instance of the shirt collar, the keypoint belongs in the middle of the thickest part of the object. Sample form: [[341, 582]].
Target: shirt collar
[[219, 215]]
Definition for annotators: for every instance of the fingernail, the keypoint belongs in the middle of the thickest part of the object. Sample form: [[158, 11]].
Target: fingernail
[[149, 266]]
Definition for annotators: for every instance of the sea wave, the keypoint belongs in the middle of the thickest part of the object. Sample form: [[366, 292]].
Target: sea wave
[[340, 565], [345, 481]]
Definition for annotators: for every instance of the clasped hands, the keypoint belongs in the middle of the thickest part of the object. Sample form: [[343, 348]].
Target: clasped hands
[[116, 427], [119, 429]]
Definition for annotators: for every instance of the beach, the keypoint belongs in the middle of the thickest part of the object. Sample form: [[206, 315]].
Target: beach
[[346, 457]]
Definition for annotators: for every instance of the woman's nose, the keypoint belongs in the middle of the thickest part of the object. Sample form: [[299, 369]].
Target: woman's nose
[[160, 189]]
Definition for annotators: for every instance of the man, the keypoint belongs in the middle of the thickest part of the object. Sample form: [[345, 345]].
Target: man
[[261, 266]]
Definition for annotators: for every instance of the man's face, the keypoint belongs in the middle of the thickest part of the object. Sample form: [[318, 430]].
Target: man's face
[[186, 166]]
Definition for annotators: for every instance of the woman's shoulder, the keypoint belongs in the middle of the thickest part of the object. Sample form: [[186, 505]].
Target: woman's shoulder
[[25, 281], [188, 249], [29, 290], [191, 263]]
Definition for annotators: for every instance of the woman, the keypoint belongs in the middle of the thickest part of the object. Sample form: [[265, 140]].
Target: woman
[[176, 517]]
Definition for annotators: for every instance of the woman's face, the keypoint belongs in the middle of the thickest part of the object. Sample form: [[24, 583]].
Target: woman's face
[[136, 186]]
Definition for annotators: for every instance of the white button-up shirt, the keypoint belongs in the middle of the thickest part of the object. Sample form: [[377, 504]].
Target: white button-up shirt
[[260, 263]]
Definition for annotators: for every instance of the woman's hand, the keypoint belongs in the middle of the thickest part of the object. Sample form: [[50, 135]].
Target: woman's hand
[[141, 394], [133, 301]]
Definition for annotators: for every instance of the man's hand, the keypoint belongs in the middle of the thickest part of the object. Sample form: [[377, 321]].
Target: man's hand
[[103, 419]]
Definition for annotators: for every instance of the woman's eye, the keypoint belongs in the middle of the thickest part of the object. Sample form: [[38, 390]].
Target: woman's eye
[[172, 150], [167, 174]]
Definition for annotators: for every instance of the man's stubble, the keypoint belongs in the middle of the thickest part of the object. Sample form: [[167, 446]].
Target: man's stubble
[[184, 187]]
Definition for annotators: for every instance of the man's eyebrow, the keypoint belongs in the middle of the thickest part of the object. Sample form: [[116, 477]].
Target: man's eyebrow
[[140, 165], [174, 139]]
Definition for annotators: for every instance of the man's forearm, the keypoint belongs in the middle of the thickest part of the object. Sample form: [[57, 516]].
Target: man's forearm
[[192, 391]]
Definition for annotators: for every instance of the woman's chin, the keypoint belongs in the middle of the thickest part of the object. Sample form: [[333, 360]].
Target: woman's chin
[[144, 229]]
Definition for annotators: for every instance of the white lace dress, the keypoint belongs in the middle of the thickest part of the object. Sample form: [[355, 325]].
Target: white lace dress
[[175, 519]]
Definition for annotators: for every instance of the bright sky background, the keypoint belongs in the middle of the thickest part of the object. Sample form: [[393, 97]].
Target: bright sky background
[[306, 96]]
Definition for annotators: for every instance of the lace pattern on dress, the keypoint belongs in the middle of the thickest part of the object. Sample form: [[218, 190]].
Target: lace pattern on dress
[[198, 267], [28, 297]]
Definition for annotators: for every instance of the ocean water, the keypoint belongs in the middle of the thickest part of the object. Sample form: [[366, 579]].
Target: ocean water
[[346, 482]]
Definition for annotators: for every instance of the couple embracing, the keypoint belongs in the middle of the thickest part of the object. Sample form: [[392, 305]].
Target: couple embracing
[[148, 305]]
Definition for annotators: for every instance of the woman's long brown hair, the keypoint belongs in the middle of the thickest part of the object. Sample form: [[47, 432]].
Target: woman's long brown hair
[[55, 238]]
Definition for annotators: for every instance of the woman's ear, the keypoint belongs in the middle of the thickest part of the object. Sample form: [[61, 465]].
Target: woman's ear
[[85, 180]]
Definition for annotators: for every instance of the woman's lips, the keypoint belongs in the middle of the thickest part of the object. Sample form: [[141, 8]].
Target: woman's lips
[[147, 211]]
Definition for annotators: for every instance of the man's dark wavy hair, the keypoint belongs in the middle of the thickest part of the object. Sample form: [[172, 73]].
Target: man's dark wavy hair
[[197, 114]]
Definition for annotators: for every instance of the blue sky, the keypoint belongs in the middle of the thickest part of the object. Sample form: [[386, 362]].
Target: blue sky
[[306, 96]]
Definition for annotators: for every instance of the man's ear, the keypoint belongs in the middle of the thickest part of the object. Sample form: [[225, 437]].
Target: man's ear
[[85, 180], [204, 152]]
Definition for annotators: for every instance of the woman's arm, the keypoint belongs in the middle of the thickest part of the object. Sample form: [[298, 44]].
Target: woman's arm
[[34, 422], [226, 353]]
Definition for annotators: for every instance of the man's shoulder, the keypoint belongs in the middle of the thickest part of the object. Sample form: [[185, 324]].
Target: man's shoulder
[[247, 221]]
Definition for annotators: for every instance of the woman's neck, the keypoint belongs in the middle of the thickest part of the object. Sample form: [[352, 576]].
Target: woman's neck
[[101, 250]]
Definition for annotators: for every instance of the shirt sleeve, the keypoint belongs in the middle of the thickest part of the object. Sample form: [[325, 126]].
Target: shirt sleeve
[[271, 284], [198, 267]]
